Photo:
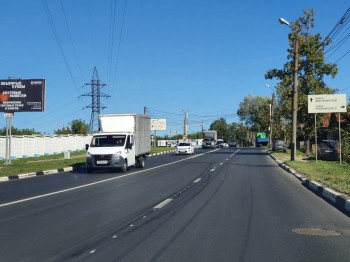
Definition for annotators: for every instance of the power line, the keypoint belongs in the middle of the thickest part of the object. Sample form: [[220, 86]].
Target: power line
[[55, 33], [119, 45], [71, 40]]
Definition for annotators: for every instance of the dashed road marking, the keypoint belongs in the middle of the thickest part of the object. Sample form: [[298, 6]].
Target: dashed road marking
[[197, 180], [163, 204]]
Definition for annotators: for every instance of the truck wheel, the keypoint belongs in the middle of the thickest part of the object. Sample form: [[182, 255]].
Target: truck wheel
[[124, 168], [141, 162]]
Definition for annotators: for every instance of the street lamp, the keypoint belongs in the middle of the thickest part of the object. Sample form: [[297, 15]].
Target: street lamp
[[271, 112], [295, 91]]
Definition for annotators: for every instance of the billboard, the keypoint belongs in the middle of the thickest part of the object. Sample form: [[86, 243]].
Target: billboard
[[158, 124], [334, 103], [22, 95]]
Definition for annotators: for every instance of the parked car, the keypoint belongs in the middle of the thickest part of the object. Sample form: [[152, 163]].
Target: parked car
[[328, 149], [185, 148], [225, 145], [279, 145], [232, 143]]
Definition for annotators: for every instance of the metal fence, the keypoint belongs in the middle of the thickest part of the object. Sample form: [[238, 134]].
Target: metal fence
[[32, 146]]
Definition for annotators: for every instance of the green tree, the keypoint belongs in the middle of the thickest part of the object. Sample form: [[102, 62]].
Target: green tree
[[20, 132], [222, 128], [255, 112], [311, 72], [77, 126]]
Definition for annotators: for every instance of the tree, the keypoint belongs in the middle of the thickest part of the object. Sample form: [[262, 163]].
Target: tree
[[255, 112], [20, 132], [76, 127], [311, 71], [222, 128], [79, 127]]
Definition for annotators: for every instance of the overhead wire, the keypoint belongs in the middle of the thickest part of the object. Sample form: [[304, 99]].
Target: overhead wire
[[119, 45], [71, 40], [58, 41], [338, 36]]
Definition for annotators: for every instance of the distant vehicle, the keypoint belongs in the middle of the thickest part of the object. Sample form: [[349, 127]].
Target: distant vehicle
[[225, 145], [124, 140], [279, 145], [185, 148], [219, 143], [328, 149], [232, 143], [209, 139], [262, 139]]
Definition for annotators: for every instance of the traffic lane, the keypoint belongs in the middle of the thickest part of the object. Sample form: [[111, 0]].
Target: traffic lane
[[15, 190], [44, 228], [247, 210]]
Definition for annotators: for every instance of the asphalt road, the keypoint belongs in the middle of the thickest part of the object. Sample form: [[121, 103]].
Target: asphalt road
[[223, 205]]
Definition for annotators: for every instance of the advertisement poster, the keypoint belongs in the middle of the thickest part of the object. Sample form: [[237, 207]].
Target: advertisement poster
[[22, 95]]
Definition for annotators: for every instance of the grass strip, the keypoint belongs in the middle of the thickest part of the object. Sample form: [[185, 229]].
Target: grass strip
[[42, 163]]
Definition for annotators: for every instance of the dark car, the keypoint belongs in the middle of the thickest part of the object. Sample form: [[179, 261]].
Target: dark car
[[279, 145], [328, 149]]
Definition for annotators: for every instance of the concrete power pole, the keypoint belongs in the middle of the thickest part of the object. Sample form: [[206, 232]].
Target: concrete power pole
[[186, 124], [95, 105]]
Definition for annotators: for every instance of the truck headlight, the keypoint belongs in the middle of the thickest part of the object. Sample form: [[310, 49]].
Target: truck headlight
[[117, 154]]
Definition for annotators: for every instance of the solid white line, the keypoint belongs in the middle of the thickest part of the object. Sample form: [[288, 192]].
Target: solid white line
[[92, 184], [163, 204]]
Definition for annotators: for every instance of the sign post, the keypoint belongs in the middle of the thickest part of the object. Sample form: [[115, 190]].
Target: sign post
[[333, 103]]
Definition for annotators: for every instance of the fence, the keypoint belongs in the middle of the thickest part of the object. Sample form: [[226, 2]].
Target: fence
[[32, 146]]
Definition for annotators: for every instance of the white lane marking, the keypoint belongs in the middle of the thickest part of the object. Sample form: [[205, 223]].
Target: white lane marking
[[226, 159], [197, 180], [211, 170], [92, 251], [221, 163], [164, 203], [95, 183]]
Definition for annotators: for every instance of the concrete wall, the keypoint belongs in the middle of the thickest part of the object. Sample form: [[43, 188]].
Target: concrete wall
[[30, 146]]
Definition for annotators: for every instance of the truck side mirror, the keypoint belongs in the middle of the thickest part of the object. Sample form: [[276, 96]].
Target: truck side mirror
[[86, 146]]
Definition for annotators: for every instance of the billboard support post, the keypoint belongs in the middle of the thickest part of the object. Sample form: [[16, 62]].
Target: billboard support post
[[8, 117], [339, 138]]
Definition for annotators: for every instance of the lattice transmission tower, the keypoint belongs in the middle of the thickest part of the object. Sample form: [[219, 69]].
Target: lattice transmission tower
[[95, 105]]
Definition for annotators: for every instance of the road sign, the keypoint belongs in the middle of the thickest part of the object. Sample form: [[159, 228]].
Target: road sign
[[335, 103], [158, 124]]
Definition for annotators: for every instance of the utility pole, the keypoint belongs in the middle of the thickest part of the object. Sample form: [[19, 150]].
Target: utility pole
[[145, 109], [186, 123], [295, 88], [95, 105], [271, 118]]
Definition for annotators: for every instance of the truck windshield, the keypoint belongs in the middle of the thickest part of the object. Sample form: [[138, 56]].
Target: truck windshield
[[107, 140]]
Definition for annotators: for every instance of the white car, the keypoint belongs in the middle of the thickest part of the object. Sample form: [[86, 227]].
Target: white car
[[185, 148]]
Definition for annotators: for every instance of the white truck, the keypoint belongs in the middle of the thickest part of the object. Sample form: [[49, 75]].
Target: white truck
[[124, 140], [209, 139]]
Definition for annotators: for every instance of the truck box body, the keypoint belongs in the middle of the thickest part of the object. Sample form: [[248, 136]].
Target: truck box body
[[262, 139], [209, 139], [124, 140], [138, 124]]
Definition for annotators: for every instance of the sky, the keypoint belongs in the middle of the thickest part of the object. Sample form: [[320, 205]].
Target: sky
[[200, 57]]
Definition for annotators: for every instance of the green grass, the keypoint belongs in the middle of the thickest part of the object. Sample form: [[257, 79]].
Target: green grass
[[42, 163], [330, 174]]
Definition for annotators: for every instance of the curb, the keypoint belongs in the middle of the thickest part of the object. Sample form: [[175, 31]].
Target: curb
[[59, 170], [34, 174], [336, 199]]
